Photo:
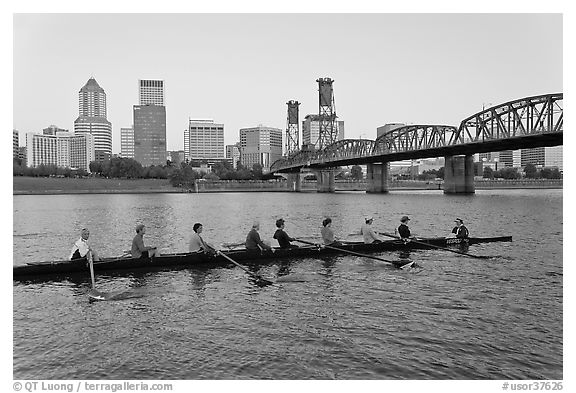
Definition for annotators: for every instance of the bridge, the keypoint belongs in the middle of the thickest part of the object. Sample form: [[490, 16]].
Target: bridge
[[524, 123]]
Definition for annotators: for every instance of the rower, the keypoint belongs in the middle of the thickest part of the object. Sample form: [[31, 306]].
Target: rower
[[81, 247], [403, 229], [139, 250], [282, 237], [367, 231], [197, 244], [328, 234], [253, 241], [460, 230]]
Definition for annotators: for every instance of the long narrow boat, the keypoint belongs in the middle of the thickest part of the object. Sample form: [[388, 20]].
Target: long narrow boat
[[183, 260]]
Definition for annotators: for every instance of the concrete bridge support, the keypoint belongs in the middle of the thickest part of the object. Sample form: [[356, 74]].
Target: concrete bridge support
[[325, 181], [294, 181], [377, 178], [459, 175]]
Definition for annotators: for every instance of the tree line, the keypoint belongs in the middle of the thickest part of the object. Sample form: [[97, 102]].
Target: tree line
[[184, 175]]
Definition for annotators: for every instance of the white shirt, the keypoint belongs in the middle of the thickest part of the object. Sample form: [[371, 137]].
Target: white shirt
[[82, 246], [196, 243], [368, 233]]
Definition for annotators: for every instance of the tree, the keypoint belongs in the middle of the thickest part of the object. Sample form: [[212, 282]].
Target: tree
[[257, 171], [531, 171], [556, 174], [488, 173], [508, 173], [356, 172], [95, 167], [441, 173]]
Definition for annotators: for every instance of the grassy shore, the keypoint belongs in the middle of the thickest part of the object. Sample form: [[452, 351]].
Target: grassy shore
[[50, 185]]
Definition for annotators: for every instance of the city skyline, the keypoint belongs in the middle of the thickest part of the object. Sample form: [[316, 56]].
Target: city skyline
[[433, 74]]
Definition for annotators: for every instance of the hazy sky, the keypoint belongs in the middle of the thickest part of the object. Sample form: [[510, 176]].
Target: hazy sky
[[241, 69]]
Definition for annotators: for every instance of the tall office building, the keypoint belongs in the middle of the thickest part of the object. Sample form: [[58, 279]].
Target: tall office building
[[204, 139], [233, 154], [127, 142], [260, 145], [150, 134], [150, 92], [92, 118], [150, 123], [311, 130], [15, 143]]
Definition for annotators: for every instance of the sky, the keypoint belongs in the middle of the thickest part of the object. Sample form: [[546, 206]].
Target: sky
[[242, 69]]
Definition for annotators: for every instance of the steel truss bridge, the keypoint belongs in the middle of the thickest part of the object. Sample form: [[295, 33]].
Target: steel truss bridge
[[520, 124]]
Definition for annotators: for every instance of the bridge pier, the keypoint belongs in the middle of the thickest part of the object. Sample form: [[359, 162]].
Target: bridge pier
[[377, 178], [294, 181], [459, 175], [325, 181]]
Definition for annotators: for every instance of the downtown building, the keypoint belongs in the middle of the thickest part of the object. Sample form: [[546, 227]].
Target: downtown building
[[204, 140], [64, 150], [233, 154], [311, 130], [15, 143], [92, 119], [150, 123], [127, 142], [260, 145]]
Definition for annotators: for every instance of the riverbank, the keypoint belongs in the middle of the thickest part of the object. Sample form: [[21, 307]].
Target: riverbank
[[46, 186]]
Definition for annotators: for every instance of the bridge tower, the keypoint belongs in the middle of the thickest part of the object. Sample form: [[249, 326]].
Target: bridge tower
[[326, 113], [292, 128]]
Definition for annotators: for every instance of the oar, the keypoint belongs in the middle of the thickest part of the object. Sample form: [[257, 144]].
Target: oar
[[399, 264], [94, 294], [256, 276], [438, 247]]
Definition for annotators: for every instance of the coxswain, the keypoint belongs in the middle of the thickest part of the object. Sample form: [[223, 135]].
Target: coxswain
[[139, 250], [253, 241], [460, 230], [81, 247], [367, 232], [403, 229], [197, 244], [281, 235]]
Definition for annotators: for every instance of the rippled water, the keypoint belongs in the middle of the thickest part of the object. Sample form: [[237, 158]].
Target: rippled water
[[345, 318]]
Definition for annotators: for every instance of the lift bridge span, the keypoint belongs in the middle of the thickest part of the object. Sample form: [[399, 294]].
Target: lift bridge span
[[520, 124]]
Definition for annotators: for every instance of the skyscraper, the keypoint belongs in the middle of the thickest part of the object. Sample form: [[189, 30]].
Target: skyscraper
[[150, 92], [150, 123], [260, 145], [92, 118], [204, 139], [150, 134]]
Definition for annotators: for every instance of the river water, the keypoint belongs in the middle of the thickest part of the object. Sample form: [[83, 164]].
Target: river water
[[346, 317]]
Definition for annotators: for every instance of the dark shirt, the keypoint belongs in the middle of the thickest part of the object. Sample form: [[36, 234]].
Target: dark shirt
[[283, 238], [253, 241], [404, 231], [461, 232]]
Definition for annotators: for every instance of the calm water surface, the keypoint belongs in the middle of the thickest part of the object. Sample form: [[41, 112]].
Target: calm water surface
[[349, 318]]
